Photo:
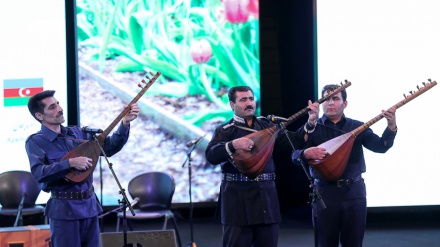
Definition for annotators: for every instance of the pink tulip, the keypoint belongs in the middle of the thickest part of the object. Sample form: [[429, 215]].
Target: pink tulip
[[254, 8], [236, 10], [200, 50]]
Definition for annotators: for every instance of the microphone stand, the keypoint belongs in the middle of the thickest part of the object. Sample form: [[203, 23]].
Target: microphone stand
[[118, 209], [122, 202], [19, 211], [189, 159], [315, 193], [101, 190]]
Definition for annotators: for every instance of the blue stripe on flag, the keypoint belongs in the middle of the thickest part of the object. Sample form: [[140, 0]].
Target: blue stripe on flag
[[21, 83]]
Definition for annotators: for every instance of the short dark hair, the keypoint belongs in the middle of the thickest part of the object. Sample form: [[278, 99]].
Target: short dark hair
[[333, 87], [231, 93], [35, 103]]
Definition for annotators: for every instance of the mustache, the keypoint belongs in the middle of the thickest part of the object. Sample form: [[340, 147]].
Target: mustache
[[249, 107], [60, 114]]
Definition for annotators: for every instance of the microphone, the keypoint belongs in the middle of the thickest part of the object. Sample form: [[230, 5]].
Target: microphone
[[276, 119], [134, 202], [193, 142], [87, 129]]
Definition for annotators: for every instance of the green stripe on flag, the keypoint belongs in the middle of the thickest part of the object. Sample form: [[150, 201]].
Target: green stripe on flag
[[16, 101]]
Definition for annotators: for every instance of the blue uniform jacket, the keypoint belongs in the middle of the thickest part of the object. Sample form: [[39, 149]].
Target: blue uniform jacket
[[45, 150]]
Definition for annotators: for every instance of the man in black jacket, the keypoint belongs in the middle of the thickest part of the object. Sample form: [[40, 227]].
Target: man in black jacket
[[344, 218], [249, 207]]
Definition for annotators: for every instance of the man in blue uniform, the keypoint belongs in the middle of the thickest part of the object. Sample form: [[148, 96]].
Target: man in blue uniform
[[73, 208], [249, 208], [344, 218]]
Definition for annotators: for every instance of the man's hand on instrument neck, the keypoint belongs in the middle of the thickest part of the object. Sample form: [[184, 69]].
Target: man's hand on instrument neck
[[313, 112], [390, 115], [313, 118], [132, 114]]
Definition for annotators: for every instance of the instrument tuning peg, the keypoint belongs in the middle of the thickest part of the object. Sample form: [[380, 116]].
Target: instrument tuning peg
[[429, 79], [424, 84], [151, 73], [418, 88], [411, 92], [139, 85], [404, 96]]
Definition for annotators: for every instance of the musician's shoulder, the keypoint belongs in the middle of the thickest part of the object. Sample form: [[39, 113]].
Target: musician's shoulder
[[33, 136], [356, 123], [226, 125], [73, 129], [264, 119]]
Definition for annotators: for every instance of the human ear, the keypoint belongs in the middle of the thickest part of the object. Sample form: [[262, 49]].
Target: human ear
[[231, 104], [39, 116]]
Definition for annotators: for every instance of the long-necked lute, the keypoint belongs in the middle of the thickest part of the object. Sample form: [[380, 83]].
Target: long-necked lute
[[333, 165], [91, 148], [251, 163]]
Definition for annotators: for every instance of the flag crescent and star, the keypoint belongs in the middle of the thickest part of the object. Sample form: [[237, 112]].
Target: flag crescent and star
[[16, 92]]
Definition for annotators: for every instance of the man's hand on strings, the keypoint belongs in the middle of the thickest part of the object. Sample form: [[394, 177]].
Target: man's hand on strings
[[315, 153], [80, 163], [243, 143]]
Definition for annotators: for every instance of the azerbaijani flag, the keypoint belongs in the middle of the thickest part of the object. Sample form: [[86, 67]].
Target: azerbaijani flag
[[18, 91]]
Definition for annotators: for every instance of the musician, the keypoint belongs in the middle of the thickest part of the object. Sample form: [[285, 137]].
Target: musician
[[248, 208], [73, 208], [344, 218]]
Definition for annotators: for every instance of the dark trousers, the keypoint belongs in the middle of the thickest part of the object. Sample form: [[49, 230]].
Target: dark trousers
[[343, 221], [75, 233], [251, 236]]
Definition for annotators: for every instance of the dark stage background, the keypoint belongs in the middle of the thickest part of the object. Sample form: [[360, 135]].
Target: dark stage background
[[288, 79]]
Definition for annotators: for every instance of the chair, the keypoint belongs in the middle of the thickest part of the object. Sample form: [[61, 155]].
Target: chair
[[14, 185], [155, 191]]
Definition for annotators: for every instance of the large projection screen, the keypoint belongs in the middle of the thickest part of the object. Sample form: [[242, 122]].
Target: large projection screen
[[33, 58], [386, 49], [202, 48]]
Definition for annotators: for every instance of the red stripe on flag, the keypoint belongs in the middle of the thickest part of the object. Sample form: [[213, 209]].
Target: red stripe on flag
[[21, 92]]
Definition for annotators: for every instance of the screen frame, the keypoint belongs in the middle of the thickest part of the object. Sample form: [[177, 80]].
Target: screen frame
[[72, 63]]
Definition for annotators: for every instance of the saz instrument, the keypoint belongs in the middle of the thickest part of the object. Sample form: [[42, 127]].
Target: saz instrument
[[333, 165], [251, 163], [91, 148]]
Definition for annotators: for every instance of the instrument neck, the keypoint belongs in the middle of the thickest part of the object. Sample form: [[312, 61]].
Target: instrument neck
[[127, 109], [399, 104], [319, 101]]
